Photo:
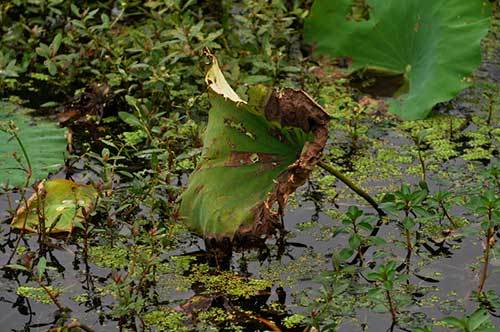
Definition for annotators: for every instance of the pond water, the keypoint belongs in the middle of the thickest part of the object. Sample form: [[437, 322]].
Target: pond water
[[21, 314]]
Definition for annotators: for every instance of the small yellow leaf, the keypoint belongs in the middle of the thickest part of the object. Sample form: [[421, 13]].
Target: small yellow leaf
[[216, 81]]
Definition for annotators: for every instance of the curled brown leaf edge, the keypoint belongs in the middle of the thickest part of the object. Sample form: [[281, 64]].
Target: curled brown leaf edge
[[291, 108]]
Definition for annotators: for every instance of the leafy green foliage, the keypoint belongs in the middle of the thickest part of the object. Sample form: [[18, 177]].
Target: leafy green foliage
[[478, 321], [41, 141], [150, 50], [409, 45], [358, 226]]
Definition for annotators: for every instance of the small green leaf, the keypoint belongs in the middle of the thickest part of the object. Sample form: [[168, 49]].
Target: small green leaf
[[354, 212], [408, 223], [455, 322], [256, 79], [374, 276], [75, 10], [477, 318], [375, 293], [56, 43], [345, 253], [43, 50], [354, 241], [377, 240], [105, 21], [388, 285], [41, 266], [390, 266], [51, 67], [365, 225], [130, 119]]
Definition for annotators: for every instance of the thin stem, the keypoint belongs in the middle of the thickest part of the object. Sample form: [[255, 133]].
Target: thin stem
[[409, 249], [489, 238], [392, 308], [330, 169], [490, 109], [421, 160], [25, 153], [422, 165], [447, 215], [53, 297], [29, 173], [409, 246]]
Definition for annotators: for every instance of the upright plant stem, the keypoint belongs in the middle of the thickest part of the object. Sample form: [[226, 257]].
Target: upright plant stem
[[421, 160], [392, 308], [25, 153], [29, 174], [490, 109], [484, 272], [422, 165], [409, 246], [330, 169], [447, 215], [409, 249]]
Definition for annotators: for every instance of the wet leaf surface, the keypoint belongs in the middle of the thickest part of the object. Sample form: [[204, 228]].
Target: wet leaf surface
[[60, 203]]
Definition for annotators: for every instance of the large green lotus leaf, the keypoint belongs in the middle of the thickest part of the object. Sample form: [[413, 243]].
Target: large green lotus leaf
[[433, 45], [254, 156], [61, 201], [43, 140]]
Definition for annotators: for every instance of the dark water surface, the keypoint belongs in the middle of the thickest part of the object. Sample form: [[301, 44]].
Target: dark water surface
[[21, 314]]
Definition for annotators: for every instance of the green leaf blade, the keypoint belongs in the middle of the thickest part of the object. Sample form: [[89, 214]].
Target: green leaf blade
[[63, 202], [249, 160], [434, 45], [44, 142]]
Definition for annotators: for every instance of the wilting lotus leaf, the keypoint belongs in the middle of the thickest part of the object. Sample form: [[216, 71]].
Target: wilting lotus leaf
[[60, 202], [420, 52], [43, 140], [254, 156]]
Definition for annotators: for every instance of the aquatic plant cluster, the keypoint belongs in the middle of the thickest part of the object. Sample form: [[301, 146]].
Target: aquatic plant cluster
[[220, 165]]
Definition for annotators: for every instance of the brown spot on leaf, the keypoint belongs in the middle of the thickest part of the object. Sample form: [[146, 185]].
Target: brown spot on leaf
[[295, 108], [360, 11], [199, 188], [237, 159]]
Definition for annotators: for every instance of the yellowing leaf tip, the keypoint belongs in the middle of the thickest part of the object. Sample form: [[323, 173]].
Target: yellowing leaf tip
[[216, 81]]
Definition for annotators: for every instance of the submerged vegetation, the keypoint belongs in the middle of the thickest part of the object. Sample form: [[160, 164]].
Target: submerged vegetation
[[390, 224]]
